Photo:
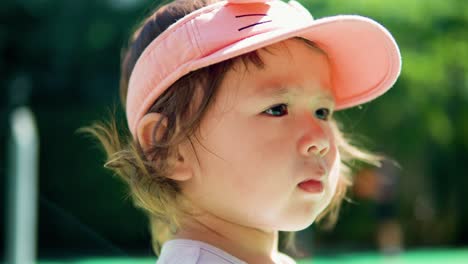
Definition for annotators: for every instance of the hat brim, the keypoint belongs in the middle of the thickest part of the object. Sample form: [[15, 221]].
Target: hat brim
[[364, 57]]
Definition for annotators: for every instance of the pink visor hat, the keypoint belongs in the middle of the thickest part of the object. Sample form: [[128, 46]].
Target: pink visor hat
[[364, 57]]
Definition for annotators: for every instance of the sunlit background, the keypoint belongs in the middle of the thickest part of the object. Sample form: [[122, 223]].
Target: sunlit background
[[59, 69]]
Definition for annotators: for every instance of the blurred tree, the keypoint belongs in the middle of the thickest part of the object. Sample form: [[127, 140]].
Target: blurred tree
[[70, 52], [422, 122]]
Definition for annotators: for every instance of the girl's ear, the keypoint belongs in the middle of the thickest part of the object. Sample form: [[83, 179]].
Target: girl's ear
[[146, 127], [182, 168]]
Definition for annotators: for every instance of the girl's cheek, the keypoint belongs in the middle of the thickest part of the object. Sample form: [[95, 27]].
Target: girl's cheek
[[333, 154]]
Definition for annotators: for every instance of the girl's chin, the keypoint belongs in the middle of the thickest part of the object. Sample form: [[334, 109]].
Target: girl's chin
[[298, 226]]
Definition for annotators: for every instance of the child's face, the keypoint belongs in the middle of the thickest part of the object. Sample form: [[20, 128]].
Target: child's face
[[252, 155]]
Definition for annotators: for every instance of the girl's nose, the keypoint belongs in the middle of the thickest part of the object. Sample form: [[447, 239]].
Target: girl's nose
[[318, 150], [314, 141]]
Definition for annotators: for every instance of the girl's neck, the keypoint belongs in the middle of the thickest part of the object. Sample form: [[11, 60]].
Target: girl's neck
[[248, 244]]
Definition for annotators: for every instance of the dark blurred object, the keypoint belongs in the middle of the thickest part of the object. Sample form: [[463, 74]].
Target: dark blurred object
[[69, 51], [381, 186]]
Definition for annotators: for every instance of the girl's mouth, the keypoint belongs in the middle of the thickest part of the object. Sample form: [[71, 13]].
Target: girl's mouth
[[311, 186]]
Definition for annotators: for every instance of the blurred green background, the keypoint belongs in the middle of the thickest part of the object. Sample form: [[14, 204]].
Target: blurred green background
[[67, 54]]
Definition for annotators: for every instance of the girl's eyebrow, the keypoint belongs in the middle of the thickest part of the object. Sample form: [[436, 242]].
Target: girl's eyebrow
[[274, 91], [281, 92]]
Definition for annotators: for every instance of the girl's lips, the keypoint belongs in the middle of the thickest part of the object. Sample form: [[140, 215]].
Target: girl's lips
[[311, 186]]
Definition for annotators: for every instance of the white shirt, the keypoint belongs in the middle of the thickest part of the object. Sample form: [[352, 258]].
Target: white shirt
[[186, 251]]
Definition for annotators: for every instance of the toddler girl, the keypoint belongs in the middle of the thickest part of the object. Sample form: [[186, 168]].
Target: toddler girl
[[231, 132]]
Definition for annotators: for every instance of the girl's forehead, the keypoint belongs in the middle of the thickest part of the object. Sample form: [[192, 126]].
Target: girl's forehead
[[289, 68]]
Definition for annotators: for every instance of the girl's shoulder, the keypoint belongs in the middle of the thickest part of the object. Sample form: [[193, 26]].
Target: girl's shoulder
[[186, 251]]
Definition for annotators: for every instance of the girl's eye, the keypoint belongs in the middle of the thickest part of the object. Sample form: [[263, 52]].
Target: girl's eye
[[282, 109], [322, 113], [277, 110]]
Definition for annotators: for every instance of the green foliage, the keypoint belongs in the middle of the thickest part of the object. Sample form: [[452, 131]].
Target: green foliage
[[70, 51], [422, 121]]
